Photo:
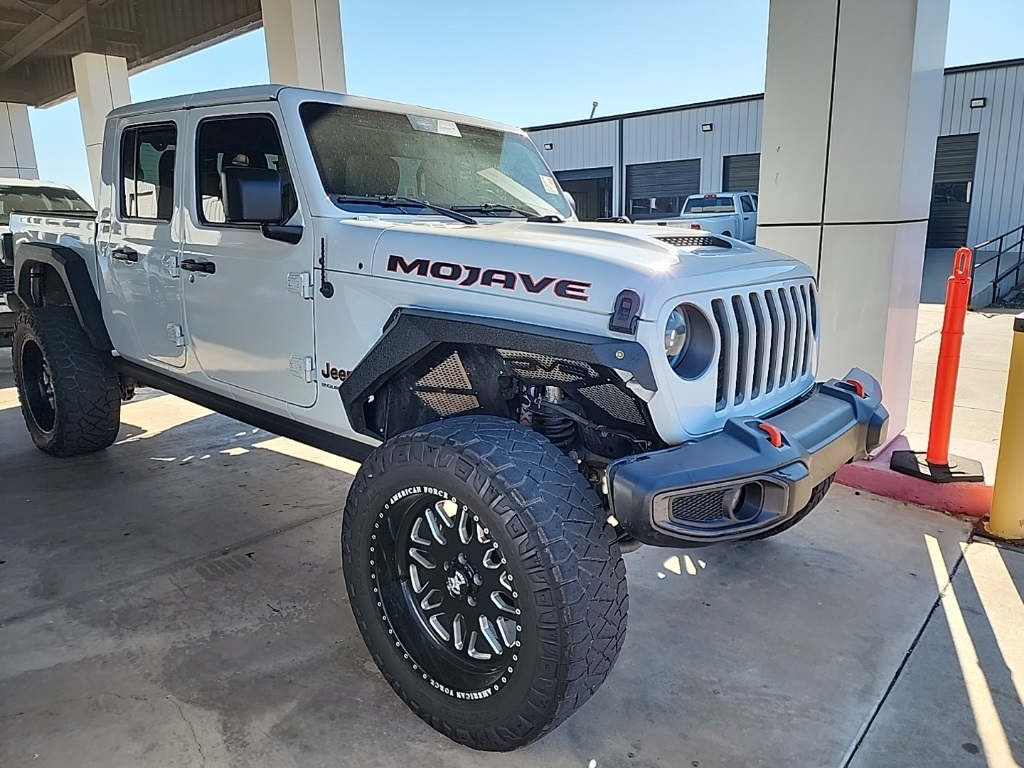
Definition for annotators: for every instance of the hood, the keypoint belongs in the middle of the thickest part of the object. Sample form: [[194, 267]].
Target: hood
[[582, 264]]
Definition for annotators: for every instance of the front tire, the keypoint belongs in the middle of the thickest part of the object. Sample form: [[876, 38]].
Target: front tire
[[484, 579], [70, 398]]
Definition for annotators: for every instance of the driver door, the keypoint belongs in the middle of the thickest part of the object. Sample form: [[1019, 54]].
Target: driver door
[[248, 316]]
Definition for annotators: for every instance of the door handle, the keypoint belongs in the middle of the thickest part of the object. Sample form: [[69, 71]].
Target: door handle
[[124, 253], [191, 265], [746, 218]]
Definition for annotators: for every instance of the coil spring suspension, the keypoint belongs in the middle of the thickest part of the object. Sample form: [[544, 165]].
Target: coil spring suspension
[[555, 426]]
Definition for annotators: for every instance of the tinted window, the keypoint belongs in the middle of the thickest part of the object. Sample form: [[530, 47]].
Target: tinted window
[[14, 197], [147, 171], [246, 142], [367, 153], [748, 207], [710, 204]]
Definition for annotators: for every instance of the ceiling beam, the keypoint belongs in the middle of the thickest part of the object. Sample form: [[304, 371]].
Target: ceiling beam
[[59, 17]]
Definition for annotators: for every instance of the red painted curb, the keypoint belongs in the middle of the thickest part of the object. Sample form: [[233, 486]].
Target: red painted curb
[[973, 499]]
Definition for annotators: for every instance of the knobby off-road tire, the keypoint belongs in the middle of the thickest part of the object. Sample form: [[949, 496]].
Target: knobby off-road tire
[[70, 399], [475, 537], [816, 496]]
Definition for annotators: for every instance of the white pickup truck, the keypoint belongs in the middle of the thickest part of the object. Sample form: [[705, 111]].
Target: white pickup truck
[[529, 394], [27, 195], [732, 214]]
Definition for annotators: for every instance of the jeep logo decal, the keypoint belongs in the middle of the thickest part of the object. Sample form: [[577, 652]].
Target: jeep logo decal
[[465, 275]]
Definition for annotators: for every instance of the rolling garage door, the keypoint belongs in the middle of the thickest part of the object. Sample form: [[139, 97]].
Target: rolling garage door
[[952, 187], [740, 172], [655, 190]]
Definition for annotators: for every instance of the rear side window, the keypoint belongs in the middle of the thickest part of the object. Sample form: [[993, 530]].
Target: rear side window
[[748, 206], [147, 171]]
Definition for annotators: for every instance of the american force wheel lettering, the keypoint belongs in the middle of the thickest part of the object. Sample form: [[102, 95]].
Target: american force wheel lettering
[[452, 575], [541, 580]]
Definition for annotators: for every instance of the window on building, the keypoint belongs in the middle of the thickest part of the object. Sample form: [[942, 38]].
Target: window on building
[[649, 207], [147, 171], [247, 142]]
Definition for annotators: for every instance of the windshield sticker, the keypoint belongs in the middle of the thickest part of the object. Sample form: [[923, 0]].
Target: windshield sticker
[[549, 185], [433, 125]]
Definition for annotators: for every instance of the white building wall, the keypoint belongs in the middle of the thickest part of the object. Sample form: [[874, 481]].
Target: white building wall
[[998, 192]]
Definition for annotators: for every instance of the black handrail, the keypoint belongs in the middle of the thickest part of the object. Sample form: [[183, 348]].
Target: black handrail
[[1001, 250]]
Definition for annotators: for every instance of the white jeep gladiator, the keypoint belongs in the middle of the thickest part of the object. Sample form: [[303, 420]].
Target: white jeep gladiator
[[530, 395]]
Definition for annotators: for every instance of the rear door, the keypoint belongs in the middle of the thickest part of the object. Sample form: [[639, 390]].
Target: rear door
[[249, 318], [140, 245], [748, 218]]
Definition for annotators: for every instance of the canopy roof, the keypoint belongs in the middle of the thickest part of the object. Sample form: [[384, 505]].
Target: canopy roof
[[38, 38]]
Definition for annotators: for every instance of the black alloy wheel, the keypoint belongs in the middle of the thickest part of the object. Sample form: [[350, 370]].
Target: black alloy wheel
[[446, 592]]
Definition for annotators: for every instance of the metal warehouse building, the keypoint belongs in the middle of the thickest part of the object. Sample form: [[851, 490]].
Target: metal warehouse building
[[643, 164]]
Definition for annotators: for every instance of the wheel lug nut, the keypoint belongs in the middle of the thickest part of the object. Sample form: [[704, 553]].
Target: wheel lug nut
[[447, 564], [471, 600], [462, 558], [478, 580]]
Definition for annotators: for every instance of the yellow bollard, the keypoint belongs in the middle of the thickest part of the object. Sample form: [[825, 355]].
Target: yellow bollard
[[1006, 520]]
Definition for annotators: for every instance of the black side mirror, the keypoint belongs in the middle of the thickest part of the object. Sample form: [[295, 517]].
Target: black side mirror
[[252, 195]]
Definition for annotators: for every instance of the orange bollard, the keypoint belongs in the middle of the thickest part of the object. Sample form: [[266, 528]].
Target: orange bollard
[[937, 465], [958, 295]]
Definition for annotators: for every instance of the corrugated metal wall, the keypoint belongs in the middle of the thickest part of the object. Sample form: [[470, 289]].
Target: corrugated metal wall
[[997, 203], [594, 145], [998, 190]]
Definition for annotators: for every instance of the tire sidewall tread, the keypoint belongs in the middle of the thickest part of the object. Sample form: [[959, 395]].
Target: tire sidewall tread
[[86, 390], [546, 518]]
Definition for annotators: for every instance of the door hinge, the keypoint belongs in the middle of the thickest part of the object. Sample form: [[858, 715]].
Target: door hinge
[[175, 334], [301, 283], [301, 367], [170, 265]]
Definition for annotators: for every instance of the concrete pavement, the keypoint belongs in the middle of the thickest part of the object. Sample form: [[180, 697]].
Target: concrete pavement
[[178, 601]]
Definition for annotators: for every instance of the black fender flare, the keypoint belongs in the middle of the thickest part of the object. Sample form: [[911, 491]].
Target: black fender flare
[[70, 267], [410, 334]]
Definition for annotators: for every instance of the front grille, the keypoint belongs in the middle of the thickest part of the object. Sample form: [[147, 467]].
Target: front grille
[[767, 342], [698, 507], [696, 241], [6, 279]]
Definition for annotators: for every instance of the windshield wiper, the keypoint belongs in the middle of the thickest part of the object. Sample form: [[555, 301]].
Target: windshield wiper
[[401, 201], [489, 208]]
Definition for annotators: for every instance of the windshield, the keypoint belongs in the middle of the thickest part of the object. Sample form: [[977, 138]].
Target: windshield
[[33, 199], [710, 204], [365, 153]]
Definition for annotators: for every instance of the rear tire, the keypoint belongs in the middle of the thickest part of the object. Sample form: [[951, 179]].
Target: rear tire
[[484, 579], [817, 495], [70, 398]]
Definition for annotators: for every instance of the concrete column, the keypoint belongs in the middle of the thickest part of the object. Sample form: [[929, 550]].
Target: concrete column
[[17, 154], [853, 96], [304, 44], [101, 84]]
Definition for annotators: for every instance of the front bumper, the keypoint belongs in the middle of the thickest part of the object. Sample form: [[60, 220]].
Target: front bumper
[[737, 483]]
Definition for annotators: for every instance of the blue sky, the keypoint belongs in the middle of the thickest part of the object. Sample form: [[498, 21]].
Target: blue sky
[[527, 63]]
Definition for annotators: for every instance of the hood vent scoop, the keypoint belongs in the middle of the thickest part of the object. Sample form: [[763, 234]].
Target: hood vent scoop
[[696, 241]]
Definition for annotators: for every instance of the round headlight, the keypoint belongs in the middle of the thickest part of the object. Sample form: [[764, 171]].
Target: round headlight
[[676, 336]]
